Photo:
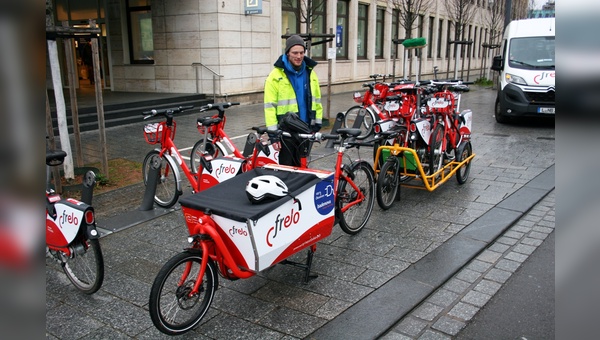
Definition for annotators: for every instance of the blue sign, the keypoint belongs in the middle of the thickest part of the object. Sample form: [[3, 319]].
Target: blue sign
[[339, 36], [324, 197], [253, 7]]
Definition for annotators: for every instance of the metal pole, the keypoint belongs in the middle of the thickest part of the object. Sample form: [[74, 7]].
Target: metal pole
[[214, 87], [151, 183], [73, 100], [456, 62], [99, 104], [329, 76], [61, 111]]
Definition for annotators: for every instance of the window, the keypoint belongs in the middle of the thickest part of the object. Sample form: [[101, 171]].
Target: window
[[430, 38], [363, 22], [379, 32], [290, 12], [141, 41], [342, 29], [448, 39], [439, 42], [481, 41], [475, 45], [319, 25], [395, 30]]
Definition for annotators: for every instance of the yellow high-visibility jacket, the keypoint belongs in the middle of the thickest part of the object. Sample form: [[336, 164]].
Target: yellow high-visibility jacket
[[280, 98]]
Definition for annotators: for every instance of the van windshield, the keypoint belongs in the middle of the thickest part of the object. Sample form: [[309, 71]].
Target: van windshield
[[532, 53]]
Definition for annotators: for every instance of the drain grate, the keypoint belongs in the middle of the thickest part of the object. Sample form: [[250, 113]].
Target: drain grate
[[546, 138]]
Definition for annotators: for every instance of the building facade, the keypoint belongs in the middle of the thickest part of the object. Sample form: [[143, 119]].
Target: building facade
[[228, 47]]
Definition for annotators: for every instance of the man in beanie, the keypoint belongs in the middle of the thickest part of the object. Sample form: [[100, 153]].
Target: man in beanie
[[293, 86]]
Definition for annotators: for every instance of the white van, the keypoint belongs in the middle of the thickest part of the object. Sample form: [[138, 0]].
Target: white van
[[526, 70]]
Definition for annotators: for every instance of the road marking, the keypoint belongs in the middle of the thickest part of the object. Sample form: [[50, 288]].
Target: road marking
[[190, 147]]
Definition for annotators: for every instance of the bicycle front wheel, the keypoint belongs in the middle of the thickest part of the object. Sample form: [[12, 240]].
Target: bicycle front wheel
[[167, 192], [435, 149], [85, 267], [388, 183], [353, 214], [174, 309], [353, 114]]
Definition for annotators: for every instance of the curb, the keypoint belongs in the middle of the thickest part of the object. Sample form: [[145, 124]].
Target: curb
[[421, 279]]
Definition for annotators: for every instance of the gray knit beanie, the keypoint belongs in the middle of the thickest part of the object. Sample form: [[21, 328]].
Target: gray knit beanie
[[293, 41]]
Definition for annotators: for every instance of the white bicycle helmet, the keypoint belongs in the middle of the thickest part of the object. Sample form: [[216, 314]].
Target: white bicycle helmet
[[264, 187]]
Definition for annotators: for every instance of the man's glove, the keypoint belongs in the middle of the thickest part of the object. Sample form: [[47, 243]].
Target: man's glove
[[315, 127]]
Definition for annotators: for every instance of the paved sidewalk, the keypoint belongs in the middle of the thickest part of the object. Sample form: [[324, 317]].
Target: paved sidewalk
[[368, 284], [449, 309]]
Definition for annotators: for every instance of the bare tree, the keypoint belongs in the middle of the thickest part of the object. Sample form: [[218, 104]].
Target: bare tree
[[461, 13], [306, 12], [519, 9], [409, 11], [494, 22]]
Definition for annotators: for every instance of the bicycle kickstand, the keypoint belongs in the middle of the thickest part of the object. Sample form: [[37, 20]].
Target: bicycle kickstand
[[306, 266]]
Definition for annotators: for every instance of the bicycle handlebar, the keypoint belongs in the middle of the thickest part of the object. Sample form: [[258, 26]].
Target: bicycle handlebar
[[166, 111], [220, 107]]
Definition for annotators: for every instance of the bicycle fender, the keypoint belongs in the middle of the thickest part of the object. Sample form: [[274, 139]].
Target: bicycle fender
[[171, 161]]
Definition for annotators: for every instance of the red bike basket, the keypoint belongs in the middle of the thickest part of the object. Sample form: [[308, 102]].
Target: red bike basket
[[154, 132]]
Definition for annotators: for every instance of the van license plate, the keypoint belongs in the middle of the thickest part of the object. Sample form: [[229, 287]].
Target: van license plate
[[549, 110]]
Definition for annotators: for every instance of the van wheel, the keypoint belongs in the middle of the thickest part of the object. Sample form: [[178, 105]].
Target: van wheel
[[500, 117]]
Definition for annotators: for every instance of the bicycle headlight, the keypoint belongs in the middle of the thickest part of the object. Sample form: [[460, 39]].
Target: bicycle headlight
[[512, 79]]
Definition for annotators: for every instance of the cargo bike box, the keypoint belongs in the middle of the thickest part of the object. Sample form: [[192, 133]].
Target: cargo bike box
[[259, 236]]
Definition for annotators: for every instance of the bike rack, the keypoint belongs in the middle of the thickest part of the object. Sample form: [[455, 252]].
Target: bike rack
[[87, 193], [430, 182], [151, 183], [339, 120]]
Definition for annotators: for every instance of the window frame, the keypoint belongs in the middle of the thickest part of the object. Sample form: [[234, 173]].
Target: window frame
[[430, 37], [365, 20], [440, 37], [379, 31], [342, 52], [130, 33], [323, 17]]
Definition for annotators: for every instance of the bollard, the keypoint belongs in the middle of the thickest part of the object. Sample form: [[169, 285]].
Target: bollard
[[87, 192], [339, 120], [151, 183]]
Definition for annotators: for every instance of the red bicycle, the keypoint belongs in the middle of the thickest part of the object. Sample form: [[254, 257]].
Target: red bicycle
[[234, 233], [208, 170], [215, 141], [451, 134], [71, 235], [373, 106]]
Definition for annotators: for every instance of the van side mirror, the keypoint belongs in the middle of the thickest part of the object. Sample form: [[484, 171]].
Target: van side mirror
[[497, 63]]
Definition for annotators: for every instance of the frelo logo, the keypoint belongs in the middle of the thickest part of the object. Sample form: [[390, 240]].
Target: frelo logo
[[282, 223], [538, 78], [229, 169], [68, 219], [237, 231]]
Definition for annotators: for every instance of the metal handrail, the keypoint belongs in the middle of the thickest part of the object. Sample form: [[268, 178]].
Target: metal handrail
[[214, 75]]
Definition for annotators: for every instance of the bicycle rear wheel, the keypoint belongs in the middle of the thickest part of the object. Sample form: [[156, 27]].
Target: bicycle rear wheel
[[388, 183], [464, 152], [172, 309], [85, 268], [212, 149], [353, 219], [367, 125], [167, 191]]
